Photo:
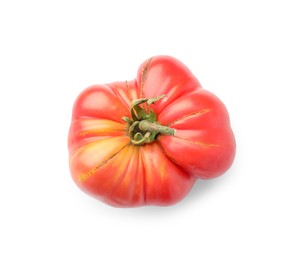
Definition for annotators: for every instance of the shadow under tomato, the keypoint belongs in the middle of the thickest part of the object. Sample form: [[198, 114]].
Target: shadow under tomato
[[200, 189], [198, 195]]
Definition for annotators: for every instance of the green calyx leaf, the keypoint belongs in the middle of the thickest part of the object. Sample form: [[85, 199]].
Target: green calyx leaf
[[143, 127], [144, 112]]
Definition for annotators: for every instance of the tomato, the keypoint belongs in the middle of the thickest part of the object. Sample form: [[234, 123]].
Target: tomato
[[146, 141]]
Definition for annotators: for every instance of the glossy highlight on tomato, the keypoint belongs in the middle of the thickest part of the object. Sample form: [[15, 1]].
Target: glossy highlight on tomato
[[146, 141]]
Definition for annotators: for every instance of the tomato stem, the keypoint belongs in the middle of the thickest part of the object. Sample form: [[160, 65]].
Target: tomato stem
[[154, 127], [143, 127]]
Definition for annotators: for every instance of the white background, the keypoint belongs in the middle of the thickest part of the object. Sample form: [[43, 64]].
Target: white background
[[249, 53]]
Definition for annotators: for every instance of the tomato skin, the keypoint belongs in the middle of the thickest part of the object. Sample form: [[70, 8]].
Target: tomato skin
[[203, 134], [105, 163]]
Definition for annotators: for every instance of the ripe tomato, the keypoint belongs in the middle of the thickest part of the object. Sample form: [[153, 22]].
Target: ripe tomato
[[146, 141]]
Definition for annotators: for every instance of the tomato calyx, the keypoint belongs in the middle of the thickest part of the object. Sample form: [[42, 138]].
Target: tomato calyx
[[143, 126]]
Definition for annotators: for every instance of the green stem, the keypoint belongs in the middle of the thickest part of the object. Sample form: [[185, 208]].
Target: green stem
[[144, 125]]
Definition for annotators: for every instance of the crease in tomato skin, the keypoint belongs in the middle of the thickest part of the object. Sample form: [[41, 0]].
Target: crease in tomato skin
[[163, 74], [206, 161], [102, 127], [125, 91], [86, 175], [96, 132], [89, 146], [203, 144], [167, 155], [90, 158], [128, 90], [139, 177], [144, 184], [191, 102], [191, 115], [99, 102], [144, 75], [165, 180], [123, 168], [85, 131], [118, 187], [174, 94], [115, 88]]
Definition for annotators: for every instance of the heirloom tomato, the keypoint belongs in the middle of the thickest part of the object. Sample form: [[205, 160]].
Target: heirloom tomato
[[146, 141]]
